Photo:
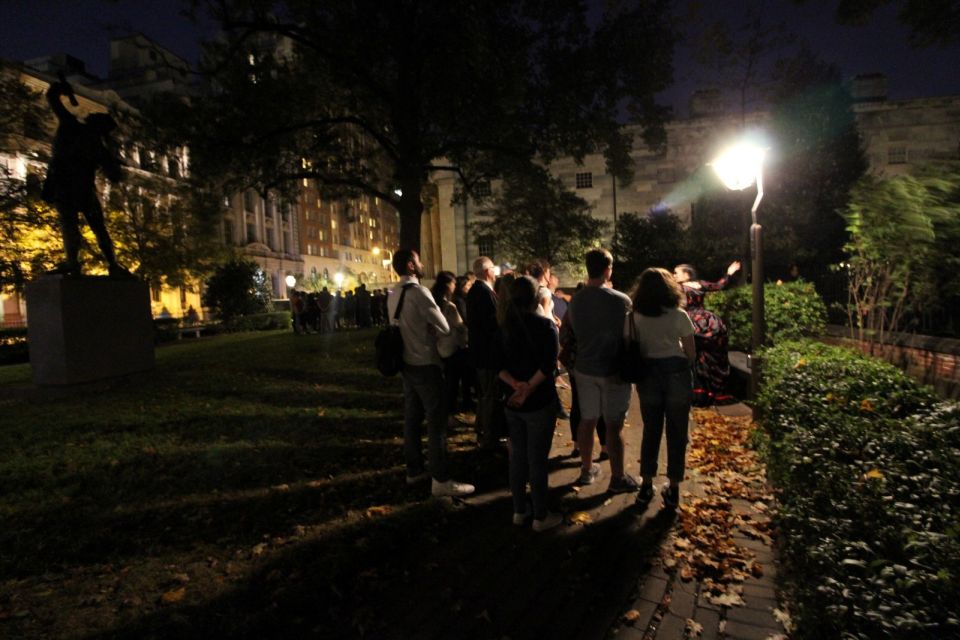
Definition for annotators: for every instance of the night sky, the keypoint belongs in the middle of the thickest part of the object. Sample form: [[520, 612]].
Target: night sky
[[83, 28]]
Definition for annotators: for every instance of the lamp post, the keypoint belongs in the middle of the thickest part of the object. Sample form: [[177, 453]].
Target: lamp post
[[338, 278], [739, 167]]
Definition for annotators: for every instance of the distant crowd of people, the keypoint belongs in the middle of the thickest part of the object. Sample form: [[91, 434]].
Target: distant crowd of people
[[326, 312], [507, 335]]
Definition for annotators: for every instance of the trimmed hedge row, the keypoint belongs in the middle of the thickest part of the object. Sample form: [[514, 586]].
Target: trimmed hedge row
[[793, 310], [261, 322], [868, 465]]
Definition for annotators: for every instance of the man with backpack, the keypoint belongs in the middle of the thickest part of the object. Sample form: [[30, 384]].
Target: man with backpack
[[421, 321]]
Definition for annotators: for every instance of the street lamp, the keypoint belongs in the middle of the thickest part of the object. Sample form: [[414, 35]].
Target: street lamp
[[291, 281], [338, 278], [739, 167]]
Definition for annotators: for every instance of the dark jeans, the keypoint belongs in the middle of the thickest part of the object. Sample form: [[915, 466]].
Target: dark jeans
[[575, 416], [491, 424], [665, 392], [454, 372], [423, 398], [531, 433]]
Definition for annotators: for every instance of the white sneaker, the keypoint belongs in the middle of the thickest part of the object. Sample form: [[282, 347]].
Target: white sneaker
[[590, 475], [549, 522], [451, 488]]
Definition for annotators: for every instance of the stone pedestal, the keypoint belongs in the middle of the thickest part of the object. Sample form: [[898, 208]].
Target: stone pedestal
[[88, 328]]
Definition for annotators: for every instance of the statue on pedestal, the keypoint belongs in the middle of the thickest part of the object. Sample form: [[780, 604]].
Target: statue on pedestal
[[79, 149]]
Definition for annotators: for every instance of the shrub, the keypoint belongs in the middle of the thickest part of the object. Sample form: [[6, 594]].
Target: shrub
[[793, 310], [260, 322], [238, 288], [868, 465], [13, 345]]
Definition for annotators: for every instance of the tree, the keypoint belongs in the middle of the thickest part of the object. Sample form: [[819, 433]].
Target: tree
[[371, 96], [815, 159], [238, 288], [931, 22], [535, 216], [642, 241], [902, 249]]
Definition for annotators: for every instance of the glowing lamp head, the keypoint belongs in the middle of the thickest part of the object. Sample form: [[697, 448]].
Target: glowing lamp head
[[739, 165], [376, 251], [338, 278], [291, 281]]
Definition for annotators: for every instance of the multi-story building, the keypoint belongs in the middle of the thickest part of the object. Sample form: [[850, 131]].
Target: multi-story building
[[896, 136]]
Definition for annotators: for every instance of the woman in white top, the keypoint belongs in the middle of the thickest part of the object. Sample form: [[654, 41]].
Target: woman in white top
[[665, 334], [453, 346]]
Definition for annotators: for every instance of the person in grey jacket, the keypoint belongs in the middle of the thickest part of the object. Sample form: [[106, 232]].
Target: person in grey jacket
[[421, 322]]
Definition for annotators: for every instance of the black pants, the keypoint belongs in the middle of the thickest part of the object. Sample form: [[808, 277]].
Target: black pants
[[455, 370]]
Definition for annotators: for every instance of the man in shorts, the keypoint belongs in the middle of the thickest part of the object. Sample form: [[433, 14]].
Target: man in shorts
[[597, 314]]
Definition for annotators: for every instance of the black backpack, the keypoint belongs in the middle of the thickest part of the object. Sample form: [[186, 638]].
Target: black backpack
[[389, 343]]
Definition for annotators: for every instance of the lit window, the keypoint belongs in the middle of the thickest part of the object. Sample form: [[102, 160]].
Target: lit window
[[333, 224], [584, 180]]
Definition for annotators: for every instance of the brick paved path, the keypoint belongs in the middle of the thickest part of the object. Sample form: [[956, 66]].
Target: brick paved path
[[664, 604]]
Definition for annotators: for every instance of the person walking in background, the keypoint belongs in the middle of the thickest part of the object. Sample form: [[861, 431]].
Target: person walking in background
[[597, 315], [666, 337], [421, 322], [482, 334], [527, 351], [713, 364], [325, 304], [453, 346]]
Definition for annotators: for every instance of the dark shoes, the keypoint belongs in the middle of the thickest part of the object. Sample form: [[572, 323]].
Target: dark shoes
[[645, 495], [671, 496]]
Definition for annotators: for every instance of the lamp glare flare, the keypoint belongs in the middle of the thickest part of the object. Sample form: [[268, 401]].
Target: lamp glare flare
[[738, 166]]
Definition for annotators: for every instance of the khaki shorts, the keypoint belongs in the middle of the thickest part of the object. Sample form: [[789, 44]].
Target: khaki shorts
[[608, 397]]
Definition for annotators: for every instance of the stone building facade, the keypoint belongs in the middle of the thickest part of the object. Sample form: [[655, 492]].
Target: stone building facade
[[897, 135]]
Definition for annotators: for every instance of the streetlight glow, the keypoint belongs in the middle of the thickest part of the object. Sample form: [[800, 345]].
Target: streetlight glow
[[291, 281], [739, 166], [338, 278], [376, 251]]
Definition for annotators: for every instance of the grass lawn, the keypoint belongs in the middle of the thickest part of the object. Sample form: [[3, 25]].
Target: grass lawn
[[200, 483], [252, 486]]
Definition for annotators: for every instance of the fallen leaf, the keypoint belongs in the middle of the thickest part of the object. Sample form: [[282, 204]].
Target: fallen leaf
[[259, 549], [281, 487], [383, 510], [580, 517], [693, 628], [173, 596], [727, 599], [631, 616], [873, 474], [686, 573]]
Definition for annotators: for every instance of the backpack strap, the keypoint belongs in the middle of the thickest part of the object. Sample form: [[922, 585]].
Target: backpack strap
[[403, 292]]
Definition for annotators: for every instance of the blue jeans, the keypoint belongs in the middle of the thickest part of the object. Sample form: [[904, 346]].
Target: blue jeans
[[665, 392], [423, 398], [531, 433]]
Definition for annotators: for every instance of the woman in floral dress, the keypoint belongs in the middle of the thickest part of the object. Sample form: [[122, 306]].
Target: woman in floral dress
[[712, 366]]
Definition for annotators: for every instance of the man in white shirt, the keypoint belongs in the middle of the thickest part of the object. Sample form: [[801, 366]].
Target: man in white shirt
[[421, 321]]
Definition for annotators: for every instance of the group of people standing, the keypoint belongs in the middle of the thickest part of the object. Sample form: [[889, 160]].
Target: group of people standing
[[511, 332], [326, 312]]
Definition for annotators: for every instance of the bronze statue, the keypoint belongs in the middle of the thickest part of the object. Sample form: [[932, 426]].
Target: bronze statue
[[79, 149]]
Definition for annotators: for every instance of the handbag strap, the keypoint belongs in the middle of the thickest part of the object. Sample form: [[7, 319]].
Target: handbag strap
[[403, 292]]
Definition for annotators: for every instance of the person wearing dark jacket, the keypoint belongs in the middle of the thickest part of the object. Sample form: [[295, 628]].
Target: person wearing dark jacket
[[527, 351], [482, 335]]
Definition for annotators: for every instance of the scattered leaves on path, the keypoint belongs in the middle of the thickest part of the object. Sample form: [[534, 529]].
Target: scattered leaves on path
[[173, 596], [580, 517], [733, 480]]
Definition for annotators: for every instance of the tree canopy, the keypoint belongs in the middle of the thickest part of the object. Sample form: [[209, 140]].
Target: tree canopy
[[534, 215], [371, 96]]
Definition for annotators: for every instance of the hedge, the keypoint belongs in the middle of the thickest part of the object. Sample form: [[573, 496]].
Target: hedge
[[260, 322], [13, 345], [793, 310], [867, 463]]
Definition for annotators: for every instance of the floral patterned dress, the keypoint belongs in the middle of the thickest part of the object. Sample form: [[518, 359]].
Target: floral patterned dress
[[710, 335]]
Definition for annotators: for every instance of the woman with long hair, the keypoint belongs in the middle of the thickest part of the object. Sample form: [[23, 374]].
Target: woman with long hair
[[712, 367], [666, 337], [528, 349], [453, 346]]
